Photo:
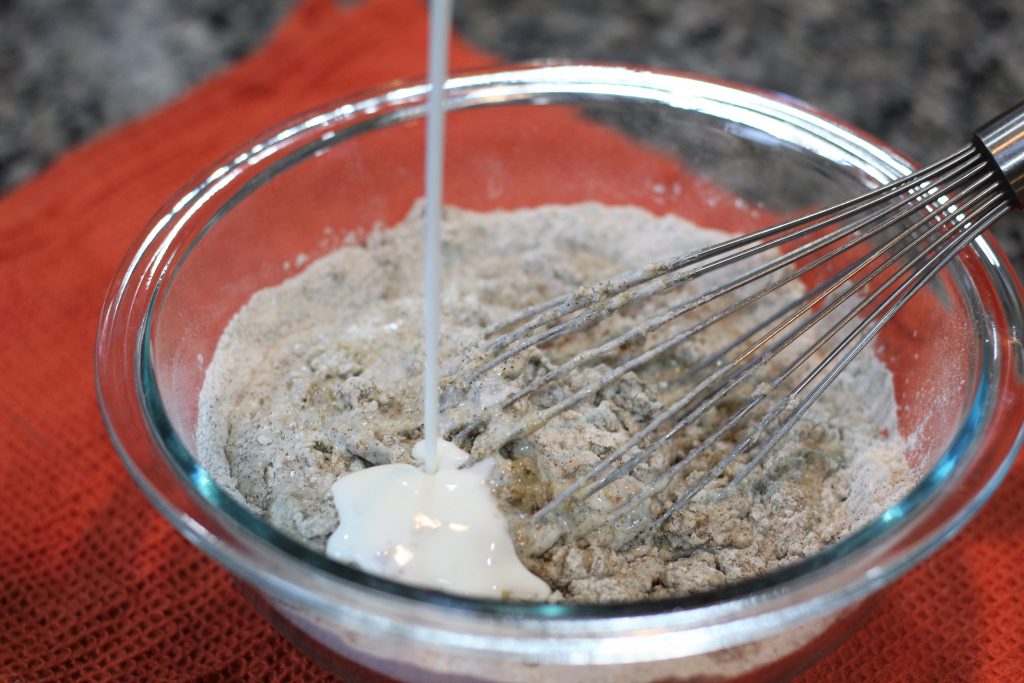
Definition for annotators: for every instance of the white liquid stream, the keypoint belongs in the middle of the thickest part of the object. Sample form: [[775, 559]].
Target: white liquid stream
[[438, 527], [437, 67]]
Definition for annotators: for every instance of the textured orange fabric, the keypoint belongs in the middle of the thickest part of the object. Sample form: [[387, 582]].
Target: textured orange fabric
[[95, 585]]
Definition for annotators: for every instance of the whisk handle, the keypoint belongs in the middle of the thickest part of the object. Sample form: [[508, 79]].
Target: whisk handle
[[1002, 141]]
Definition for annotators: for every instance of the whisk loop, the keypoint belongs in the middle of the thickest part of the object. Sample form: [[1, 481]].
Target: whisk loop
[[865, 257]]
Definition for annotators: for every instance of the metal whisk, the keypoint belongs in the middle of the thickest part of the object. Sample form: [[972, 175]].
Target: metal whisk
[[883, 247]]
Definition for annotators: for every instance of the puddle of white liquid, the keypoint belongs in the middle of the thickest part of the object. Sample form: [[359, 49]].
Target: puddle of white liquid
[[440, 32], [442, 531]]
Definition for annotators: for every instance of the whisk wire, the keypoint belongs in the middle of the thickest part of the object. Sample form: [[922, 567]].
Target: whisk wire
[[959, 164], [571, 302], [538, 420], [874, 252], [914, 283], [617, 288], [741, 372], [893, 304]]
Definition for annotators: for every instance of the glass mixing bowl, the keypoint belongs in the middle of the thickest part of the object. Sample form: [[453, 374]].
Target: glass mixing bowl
[[523, 136]]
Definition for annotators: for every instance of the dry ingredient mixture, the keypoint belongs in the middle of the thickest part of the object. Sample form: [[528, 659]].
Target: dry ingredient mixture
[[322, 376]]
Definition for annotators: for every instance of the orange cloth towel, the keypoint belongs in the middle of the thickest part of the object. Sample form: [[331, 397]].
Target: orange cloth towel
[[95, 585]]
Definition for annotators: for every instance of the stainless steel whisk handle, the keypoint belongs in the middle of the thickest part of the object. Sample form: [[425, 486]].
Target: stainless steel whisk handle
[[1002, 141]]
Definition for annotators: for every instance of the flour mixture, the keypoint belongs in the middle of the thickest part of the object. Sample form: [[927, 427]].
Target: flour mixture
[[322, 376]]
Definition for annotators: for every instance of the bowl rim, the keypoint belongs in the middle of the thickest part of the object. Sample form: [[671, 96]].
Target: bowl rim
[[750, 601]]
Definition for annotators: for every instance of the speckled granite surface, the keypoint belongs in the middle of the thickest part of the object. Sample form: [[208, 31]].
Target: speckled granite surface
[[918, 75]]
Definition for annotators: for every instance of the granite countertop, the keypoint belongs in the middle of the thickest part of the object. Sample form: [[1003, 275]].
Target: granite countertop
[[917, 75]]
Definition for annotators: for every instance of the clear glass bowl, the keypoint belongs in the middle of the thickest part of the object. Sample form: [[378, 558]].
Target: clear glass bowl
[[297, 192]]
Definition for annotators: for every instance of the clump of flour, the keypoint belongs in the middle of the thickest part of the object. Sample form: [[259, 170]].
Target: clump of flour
[[322, 375]]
